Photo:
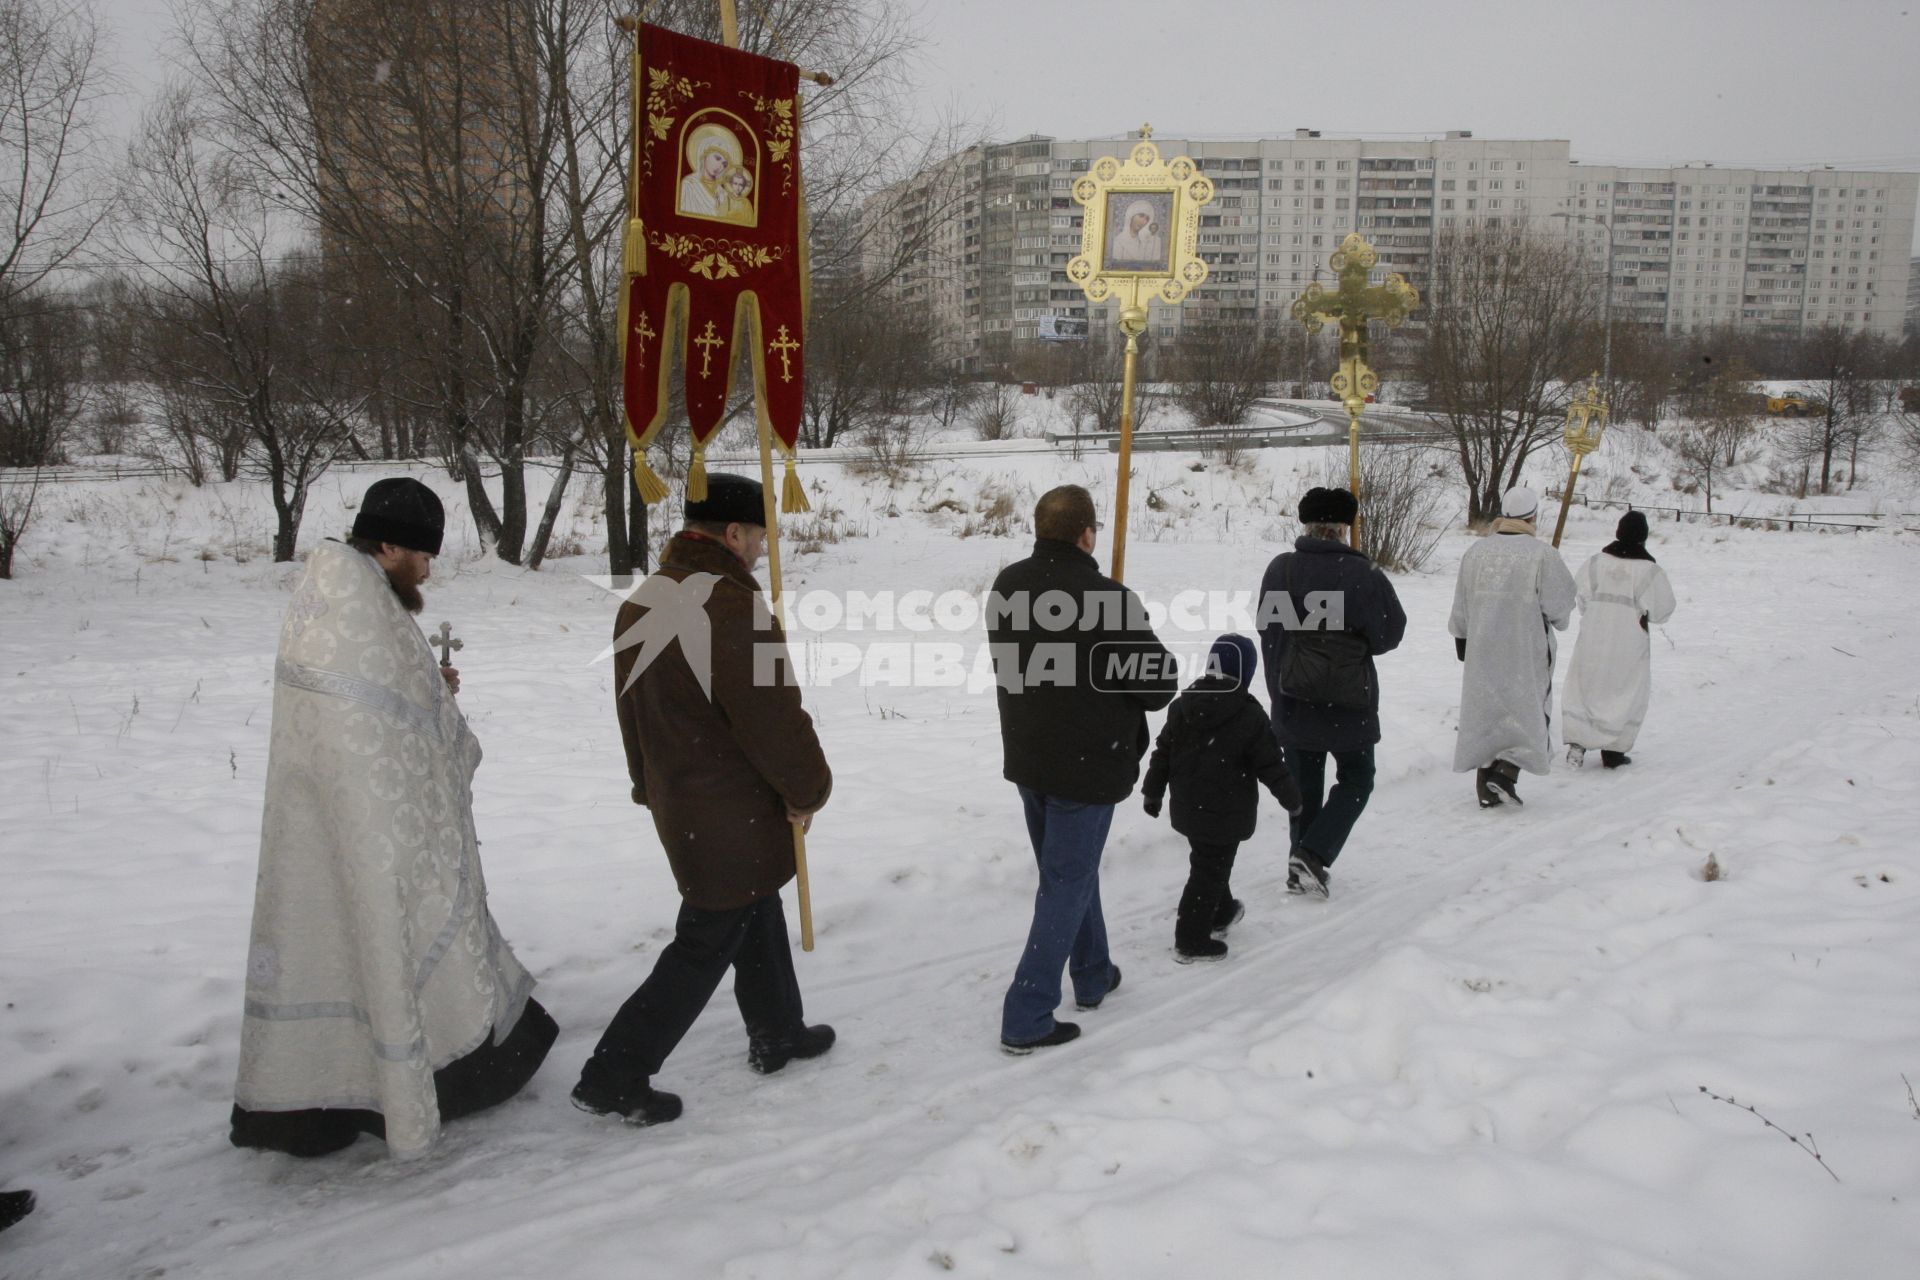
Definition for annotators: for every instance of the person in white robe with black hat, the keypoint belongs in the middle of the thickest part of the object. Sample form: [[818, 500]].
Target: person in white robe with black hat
[[380, 996], [1512, 594], [1610, 680]]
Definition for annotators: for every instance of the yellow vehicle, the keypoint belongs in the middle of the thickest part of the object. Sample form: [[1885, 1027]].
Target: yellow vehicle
[[1792, 404]]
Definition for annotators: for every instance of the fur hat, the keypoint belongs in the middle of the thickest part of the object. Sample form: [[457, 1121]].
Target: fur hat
[[1232, 656], [1329, 506], [404, 512], [1520, 503], [1632, 528], [730, 499]]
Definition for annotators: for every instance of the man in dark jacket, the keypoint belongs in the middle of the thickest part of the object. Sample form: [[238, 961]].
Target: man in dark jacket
[[1216, 750], [1324, 584], [1078, 667], [719, 748]]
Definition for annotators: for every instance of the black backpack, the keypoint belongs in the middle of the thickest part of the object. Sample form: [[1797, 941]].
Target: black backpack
[[1325, 667]]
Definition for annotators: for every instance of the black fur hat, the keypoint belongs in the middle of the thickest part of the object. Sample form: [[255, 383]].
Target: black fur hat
[[1329, 506], [730, 499], [404, 512]]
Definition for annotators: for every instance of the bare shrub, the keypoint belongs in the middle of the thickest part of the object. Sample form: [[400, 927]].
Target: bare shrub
[[950, 399], [817, 531], [1403, 494], [890, 450], [116, 412], [995, 411], [997, 515]]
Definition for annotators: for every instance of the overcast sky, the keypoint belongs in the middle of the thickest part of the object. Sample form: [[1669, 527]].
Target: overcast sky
[[1735, 82], [1647, 81]]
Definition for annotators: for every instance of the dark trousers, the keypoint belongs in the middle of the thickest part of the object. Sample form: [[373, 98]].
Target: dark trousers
[[752, 940], [1326, 818], [1208, 867]]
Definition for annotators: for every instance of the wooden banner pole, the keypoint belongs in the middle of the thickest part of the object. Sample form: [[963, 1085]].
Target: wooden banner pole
[[730, 33]]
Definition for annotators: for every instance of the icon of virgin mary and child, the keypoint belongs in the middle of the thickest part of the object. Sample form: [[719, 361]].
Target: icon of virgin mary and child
[[719, 186], [1139, 242]]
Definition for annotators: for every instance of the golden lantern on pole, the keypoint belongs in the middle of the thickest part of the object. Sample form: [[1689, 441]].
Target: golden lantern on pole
[[1586, 423], [1139, 243], [1352, 305]]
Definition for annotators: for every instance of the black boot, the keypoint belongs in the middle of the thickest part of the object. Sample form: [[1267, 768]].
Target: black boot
[[1200, 951], [1061, 1033], [1483, 789], [1614, 759], [1230, 913], [1307, 875], [1113, 985], [1504, 777], [638, 1105], [14, 1205], [768, 1056]]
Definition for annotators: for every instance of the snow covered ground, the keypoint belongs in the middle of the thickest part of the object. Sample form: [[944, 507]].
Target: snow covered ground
[[1483, 1058]]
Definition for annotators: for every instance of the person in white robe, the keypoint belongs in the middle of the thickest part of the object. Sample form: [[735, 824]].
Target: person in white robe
[[380, 996], [1610, 679], [1512, 594]]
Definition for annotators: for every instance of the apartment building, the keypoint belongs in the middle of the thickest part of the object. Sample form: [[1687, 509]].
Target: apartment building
[[992, 229]]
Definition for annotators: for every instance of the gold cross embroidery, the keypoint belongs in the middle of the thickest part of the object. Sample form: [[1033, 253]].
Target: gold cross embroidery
[[785, 346], [709, 339], [645, 332]]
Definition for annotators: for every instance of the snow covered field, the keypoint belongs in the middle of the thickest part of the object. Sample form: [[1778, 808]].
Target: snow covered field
[[1483, 1058]]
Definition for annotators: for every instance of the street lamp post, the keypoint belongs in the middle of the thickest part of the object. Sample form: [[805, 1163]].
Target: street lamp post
[[1606, 298]]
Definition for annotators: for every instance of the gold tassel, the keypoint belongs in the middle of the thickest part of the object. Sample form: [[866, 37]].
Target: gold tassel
[[793, 495], [697, 475], [635, 253], [651, 488]]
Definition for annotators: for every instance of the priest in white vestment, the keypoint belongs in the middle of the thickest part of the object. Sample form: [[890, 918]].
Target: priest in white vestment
[[1512, 594], [380, 995]]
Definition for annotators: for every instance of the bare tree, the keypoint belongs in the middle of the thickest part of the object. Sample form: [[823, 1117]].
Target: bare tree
[[866, 366], [1095, 401], [950, 397], [41, 393], [1839, 365], [50, 99], [1506, 316], [1720, 417], [1221, 368], [1903, 432], [247, 334], [50, 85], [17, 497], [1645, 371]]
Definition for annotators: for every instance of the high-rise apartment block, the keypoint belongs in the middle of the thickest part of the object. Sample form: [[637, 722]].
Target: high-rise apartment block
[[991, 231]]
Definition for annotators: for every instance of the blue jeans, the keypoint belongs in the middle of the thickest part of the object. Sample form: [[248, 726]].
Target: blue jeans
[[1068, 929]]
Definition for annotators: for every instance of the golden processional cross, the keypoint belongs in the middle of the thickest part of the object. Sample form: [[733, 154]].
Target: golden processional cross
[[1139, 243], [1586, 423], [1352, 305]]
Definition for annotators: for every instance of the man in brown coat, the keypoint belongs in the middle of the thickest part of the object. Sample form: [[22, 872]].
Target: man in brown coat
[[720, 749]]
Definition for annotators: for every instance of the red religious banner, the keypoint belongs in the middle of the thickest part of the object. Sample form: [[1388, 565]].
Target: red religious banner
[[716, 244]]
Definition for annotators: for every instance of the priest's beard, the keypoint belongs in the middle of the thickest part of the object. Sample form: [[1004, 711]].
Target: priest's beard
[[405, 586]]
